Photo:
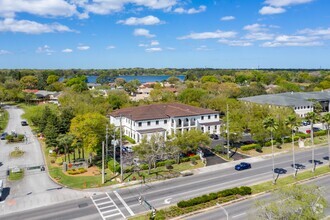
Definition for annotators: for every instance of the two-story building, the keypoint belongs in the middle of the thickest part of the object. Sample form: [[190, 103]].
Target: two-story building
[[164, 119]]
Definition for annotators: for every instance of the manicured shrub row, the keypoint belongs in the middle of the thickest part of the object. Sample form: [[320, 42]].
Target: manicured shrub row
[[77, 171], [244, 190], [320, 133], [13, 138], [249, 147]]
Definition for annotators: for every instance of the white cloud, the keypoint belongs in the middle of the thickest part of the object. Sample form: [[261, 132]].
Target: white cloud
[[259, 36], [68, 50], [200, 9], [143, 45], [209, 35], [30, 27], [148, 20], [110, 47], [4, 52], [45, 49], [82, 47], [8, 8], [316, 32], [293, 41], [283, 3], [203, 48], [269, 10], [254, 27], [154, 43], [110, 6], [143, 32], [235, 43], [227, 18], [170, 48], [154, 49], [277, 6]]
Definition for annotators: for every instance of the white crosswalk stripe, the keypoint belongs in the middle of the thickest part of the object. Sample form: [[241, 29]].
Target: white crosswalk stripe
[[107, 207]]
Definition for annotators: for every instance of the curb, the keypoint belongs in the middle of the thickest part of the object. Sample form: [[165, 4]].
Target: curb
[[244, 198]]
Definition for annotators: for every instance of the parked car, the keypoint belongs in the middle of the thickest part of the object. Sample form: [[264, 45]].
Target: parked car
[[214, 136], [4, 135], [305, 123], [24, 123], [243, 166], [314, 130]]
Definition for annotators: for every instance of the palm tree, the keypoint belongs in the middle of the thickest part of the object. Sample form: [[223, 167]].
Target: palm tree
[[326, 120], [312, 117], [292, 123], [271, 125]]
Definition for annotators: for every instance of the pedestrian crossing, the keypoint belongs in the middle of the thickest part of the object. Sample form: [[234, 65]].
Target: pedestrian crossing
[[107, 207]]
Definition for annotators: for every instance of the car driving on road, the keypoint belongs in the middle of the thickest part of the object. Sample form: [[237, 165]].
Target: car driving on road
[[3, 136], [24, 123], [243, 166]]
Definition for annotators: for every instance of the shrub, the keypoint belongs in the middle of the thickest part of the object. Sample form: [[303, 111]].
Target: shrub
[[144, 167], [114, 169], [168, 165], [245, 190], [302, 135], [59, 161], [249, 147], [320, 133], [185, 159], [259, 149], [196, 157], [52, 161], [193, 161], [131, 140], [163, 163]]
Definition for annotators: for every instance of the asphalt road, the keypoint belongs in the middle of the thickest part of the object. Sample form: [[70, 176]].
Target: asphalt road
[[245, 209], [124, 202]]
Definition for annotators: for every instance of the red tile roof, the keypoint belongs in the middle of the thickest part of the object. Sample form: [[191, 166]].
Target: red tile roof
[[158, 111]]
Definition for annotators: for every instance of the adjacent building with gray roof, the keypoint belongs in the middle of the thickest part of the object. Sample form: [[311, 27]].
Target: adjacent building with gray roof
[[301, 102]]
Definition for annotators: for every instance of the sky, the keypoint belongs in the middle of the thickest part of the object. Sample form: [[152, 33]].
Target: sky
[[107, 34]]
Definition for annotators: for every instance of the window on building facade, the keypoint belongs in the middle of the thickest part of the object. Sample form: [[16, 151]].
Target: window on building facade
[[215, 127], [157, 122], [215, 116], [202, 117], [209, 117], [203, 129], [165, 121], [208, 128], [140, 124], [148, 123]]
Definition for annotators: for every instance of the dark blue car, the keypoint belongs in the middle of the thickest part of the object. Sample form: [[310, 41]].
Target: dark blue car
[[242, 166]]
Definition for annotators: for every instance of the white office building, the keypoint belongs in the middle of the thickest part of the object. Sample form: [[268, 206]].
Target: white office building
[[164, 119]]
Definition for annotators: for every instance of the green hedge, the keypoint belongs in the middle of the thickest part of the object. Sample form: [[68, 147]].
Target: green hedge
[[114, 169], [243, 190], [131, 140], [320, 133], [249, 147]]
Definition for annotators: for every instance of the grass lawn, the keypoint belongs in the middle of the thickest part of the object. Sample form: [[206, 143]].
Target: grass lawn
[[3, 119], [16, 153], [16, 176]]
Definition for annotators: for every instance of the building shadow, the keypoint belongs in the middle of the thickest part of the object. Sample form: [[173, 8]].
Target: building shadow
[[5, 193]]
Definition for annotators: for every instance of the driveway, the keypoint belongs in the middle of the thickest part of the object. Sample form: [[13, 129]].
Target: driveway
[[36, 188]]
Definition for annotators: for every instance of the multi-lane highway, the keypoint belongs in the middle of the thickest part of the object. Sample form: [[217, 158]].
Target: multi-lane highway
[[116, 204], [246, 209]]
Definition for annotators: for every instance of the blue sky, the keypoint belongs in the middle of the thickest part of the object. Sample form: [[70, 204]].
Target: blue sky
[[164, 33]]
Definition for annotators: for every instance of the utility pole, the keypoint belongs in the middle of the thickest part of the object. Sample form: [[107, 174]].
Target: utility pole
[[114, 149], [102, 162], [121, 150], [227, 132], [106, 142]]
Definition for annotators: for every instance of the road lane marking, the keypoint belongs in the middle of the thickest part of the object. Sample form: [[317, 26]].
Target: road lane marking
[[114, 210], [238, 215], [124, 203]]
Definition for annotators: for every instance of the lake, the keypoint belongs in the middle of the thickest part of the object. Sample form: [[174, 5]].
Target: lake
[[142, 79]]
